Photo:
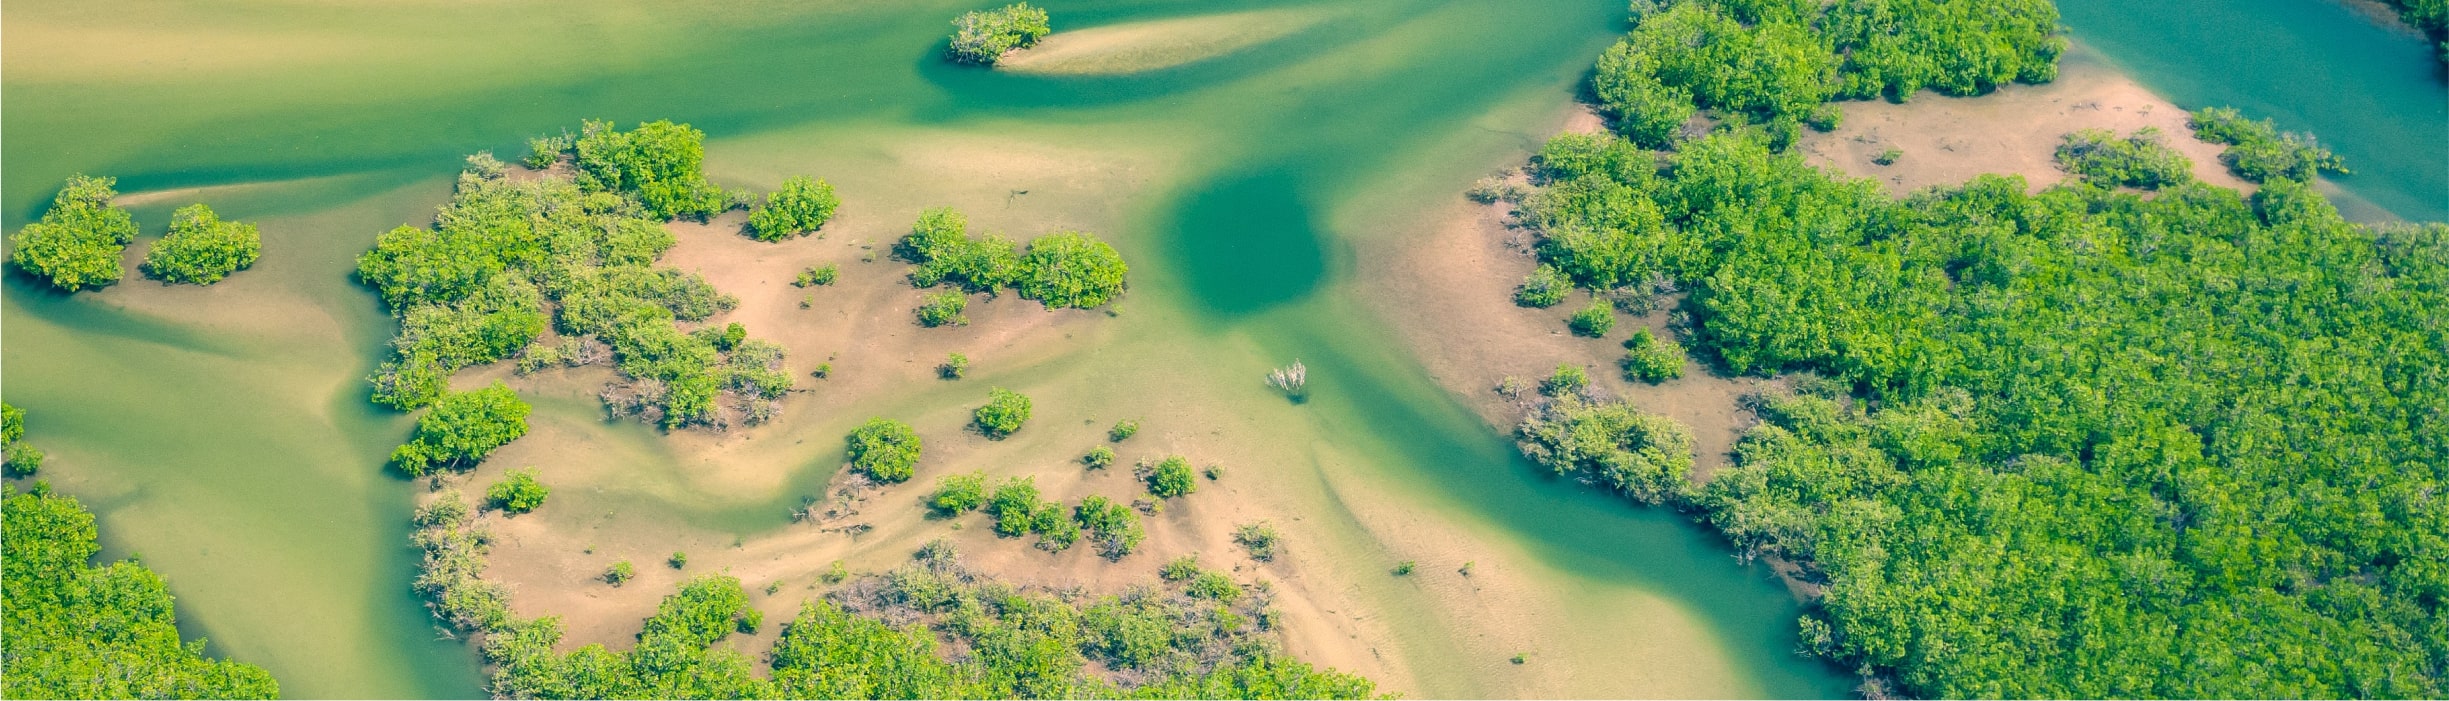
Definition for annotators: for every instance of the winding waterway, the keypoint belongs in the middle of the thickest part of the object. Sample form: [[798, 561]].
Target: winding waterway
[[222, 433]]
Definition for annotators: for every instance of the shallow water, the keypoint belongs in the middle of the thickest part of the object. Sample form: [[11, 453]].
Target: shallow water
[[2366, 86], [222, 433]]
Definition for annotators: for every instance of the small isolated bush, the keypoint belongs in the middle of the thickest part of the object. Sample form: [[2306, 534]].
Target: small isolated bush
[[2139, 160], [1113, 527], [1069, 269], [801, 206], [958, 494], [884, 449], [1122, 431], [620, 573], [1179, 569], [2258, 151], [1888, 157], [201, 248], [837, 572], [463, 428], [1544, 287], [678, 560], [1003, 414], [518, 492], [1520, 658], [1213, 472], [1405, 568], [76, 245], [1098, 458], [982, 37], [1170, 477], [819, 275], [1593, 321], [955, 365], [1567, 379], [944, 309], [822, 371], [1651, 359], [1464, 570], [1015, 505], [1260, 539]]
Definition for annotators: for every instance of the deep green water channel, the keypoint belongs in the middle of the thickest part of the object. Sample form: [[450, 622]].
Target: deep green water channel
[[244, 464]]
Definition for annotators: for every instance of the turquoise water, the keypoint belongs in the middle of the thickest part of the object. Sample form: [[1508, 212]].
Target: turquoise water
[[245, 465], [2372, 91]]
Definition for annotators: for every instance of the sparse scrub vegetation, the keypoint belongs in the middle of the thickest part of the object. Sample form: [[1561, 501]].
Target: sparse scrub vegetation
[[2140, 160], [982, 37]]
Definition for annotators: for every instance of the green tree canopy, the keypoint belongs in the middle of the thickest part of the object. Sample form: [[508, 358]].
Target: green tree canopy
[[77, 631], [77, 243], [201, 249], [884, 449], [462, 429], [801, 206], [1071, 269]]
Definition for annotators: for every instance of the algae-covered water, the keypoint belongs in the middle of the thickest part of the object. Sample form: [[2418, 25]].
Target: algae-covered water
[[222, 435]]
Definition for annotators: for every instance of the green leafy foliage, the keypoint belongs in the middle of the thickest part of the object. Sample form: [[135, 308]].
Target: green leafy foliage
[[1003, 414], [77, 243], [1015, 505], [1593, 321], [2071, 439], [1644, 456], [506, 260], [1775, 63], [2258, 151], [801, 206], [462, 429], [818, 276], [1061, 270], [1098, 458], [1170, 477], [78, 631], [1648, 358], [675, 656], [1112, 526], [1545, 287], [982, 37], [1071, 269], [660, 163], [22, 458], [451, 580], [201, 249], [1122, 431], [958, 494], [1568, 379], [2141, 160], [944, 309], [620, 573], [884, 449], [1259, 539], [1899, 47], [517, 492]]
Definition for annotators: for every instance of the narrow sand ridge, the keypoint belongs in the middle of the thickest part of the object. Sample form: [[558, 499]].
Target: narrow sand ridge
[[1147, 46]]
